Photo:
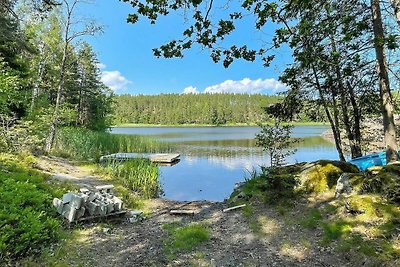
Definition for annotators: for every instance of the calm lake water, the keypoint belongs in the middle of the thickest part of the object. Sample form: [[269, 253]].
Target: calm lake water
[[213, 159]]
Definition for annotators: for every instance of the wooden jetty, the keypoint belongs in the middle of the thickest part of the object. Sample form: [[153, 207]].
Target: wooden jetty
[[155, 158]]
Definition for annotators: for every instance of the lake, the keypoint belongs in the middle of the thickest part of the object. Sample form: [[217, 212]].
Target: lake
[[213, 159]]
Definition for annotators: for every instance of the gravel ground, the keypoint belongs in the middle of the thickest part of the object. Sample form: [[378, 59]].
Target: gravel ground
[[264, 238]]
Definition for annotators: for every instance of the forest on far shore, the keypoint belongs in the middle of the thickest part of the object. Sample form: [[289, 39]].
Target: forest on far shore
[[212, 109]]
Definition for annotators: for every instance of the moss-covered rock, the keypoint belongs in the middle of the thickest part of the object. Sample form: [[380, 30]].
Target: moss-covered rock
[[275, 184], [385, 182], [271, 185], [322, 175]]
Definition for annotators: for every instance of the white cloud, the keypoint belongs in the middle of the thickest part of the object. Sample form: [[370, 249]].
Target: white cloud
[[101, 66], [190, 90], [247, 86], [115, 80]]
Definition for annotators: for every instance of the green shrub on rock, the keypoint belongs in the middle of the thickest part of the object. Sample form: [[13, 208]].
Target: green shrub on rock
[[386, 182]]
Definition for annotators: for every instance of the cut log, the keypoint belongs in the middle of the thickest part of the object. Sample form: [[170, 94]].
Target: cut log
[[234, 208]]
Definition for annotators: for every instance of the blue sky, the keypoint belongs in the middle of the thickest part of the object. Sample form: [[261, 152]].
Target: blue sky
[[128, 65]]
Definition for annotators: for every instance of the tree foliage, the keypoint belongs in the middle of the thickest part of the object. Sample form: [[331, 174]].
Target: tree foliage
[[32, 39], [334, 64], [172, 109], [276, 141]]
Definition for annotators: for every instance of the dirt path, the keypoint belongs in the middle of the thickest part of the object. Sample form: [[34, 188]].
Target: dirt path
[[66, 171], [262, 238]]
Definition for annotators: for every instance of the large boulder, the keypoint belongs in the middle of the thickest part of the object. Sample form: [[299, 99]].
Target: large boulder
[[321, 176]]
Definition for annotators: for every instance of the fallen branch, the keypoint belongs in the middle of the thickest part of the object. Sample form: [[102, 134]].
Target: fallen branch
[[234, 208]]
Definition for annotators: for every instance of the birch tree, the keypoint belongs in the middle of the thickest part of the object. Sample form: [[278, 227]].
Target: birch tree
[[71, 33]]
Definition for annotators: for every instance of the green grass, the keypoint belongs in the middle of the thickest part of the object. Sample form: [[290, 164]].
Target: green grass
[[184, 238], [83, 144], [335, 229], [312, 219], [137, 175]]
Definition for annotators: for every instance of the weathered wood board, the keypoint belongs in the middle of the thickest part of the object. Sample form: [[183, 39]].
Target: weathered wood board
[[164, 158], [156, 158]]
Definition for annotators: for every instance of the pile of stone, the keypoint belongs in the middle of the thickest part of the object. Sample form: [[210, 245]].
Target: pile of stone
[[87, 203]]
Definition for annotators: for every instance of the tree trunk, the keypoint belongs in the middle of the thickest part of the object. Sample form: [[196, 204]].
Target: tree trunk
[[357, 119], [396, 7], [54, 120], [355, 150], [336, 118], [36, 87], [335, 130], [384, 85]]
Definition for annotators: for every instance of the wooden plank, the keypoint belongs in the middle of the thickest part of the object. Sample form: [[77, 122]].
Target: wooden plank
[[182, 212], [164, 158], [234, 208]]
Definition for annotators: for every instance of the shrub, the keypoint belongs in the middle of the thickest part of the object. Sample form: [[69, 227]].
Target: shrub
[[276, 141], [27, 222], [273, 184], [386, 183]]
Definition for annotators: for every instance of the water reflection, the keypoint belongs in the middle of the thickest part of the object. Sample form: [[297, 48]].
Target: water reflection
[[214, 159]]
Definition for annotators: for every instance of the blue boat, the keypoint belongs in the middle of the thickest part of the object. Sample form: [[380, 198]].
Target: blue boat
[[376, 159]]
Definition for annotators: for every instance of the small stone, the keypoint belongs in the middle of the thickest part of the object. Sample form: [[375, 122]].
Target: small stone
[[76, 201], [136, 212], [84, 190], [69, 212], [80, 212], [92, 196], [67, 198], [110, 207], [58, 204], [93, 208], [343, 184]]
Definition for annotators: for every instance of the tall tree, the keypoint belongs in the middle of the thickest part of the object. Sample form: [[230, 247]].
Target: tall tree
[[384, 84], [70, 34]]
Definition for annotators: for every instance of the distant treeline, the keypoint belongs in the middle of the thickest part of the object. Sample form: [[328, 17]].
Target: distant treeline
[[175, 109]]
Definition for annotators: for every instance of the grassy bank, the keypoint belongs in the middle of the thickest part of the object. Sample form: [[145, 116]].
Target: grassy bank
[[28, 222], [137, 176], [133, 125], [83, 144], [134, 179]]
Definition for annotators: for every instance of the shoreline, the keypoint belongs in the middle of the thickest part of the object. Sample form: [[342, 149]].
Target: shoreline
[[133, 125], [372, 138]]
